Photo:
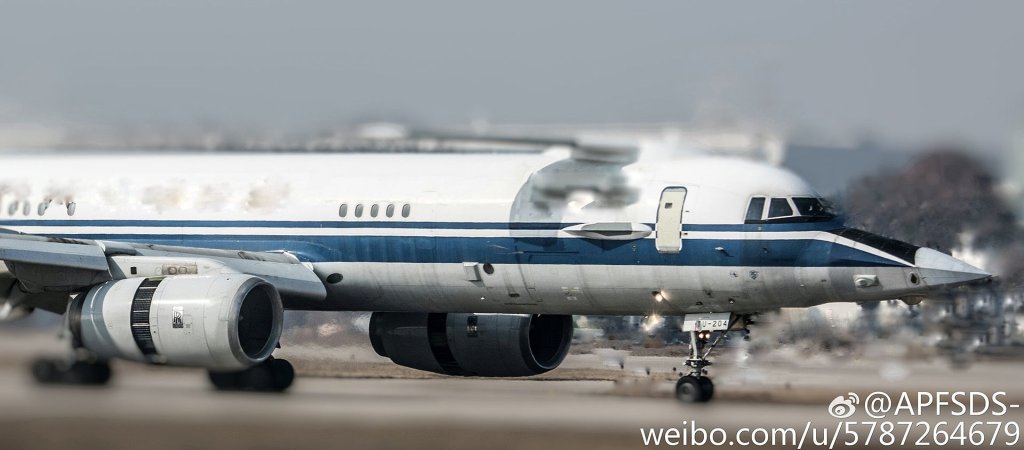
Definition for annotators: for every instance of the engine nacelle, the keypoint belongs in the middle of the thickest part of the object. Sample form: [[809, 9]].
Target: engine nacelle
[[220, 322], [483, 345]]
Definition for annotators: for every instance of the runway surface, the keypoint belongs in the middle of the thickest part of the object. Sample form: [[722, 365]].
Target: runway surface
[[150, 407]]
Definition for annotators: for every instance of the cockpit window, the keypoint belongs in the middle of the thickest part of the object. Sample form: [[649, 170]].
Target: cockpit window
[[756, 209], [789, 209], [779, 208], [812, 207], [902, 250]]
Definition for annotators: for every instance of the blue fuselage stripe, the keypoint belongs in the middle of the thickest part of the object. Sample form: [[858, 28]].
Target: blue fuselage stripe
[[397, 224], [503, 250], [755, 252]]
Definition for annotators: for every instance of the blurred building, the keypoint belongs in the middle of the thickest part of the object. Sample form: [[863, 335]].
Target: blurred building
[[661, 138], [829, 167], [1017, 171]]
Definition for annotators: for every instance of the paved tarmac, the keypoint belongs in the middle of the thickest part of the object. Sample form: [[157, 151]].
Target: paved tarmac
[[151, 407]]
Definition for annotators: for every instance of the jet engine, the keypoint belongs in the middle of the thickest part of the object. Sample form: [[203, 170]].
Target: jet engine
[[222, 322], [482, 345]]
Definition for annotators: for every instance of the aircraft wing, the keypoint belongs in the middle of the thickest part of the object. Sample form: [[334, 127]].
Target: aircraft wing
[[56, 265]]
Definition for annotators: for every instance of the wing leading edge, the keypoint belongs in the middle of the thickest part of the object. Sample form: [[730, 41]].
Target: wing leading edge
[[50, 265]]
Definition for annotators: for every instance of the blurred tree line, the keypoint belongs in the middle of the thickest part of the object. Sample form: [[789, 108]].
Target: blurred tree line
[[945, 199]]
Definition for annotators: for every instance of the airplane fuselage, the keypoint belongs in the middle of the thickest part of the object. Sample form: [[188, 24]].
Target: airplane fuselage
[[482, 233]]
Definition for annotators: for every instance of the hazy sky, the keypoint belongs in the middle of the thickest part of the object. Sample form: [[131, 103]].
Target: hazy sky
[[921, 69]]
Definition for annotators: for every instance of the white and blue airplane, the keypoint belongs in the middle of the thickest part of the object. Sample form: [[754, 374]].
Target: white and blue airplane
[[472, 262]]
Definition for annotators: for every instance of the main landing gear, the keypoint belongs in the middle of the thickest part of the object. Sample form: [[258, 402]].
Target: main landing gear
[[272, 375], [75, 370], [696, 387], [82, 368]]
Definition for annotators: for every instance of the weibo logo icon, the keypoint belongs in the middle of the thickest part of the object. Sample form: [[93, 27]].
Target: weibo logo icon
[[844, 406]]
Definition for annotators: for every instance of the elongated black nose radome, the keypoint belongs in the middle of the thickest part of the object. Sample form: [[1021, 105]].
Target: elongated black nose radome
[[939, 269]]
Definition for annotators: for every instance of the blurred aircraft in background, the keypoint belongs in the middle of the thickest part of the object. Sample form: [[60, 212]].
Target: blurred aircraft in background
[[472, 252]]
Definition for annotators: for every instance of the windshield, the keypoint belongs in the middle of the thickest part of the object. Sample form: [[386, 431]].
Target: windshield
[[789, 209], [813, 207], [902, 250], [779, 208]]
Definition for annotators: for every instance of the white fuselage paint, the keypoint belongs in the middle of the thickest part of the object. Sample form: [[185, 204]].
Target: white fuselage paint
[[293, 201]]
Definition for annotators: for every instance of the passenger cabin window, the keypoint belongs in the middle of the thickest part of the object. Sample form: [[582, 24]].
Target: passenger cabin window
[[779, 208], [756, 210], [376, 210]]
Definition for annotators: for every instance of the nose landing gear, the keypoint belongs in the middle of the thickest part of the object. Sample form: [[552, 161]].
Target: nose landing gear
[[696, 387]]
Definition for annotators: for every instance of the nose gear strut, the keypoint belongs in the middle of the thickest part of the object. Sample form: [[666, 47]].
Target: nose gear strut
[[696, 387]]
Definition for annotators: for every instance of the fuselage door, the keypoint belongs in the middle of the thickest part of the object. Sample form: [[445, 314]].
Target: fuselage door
[[669, 229]]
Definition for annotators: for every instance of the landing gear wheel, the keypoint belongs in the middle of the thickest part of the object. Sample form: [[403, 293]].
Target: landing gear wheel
[[81, 373], [272, 375], [690, 389], [225, 381], [707, 389], [95, 374], [257, 378], [45, 371], [284, 374]]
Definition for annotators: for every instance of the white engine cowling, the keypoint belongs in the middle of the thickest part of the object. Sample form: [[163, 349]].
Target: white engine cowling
[[220, 322]]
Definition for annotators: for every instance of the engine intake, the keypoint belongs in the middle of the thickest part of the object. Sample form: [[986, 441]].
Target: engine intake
[[483, 345], [221, 322]]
